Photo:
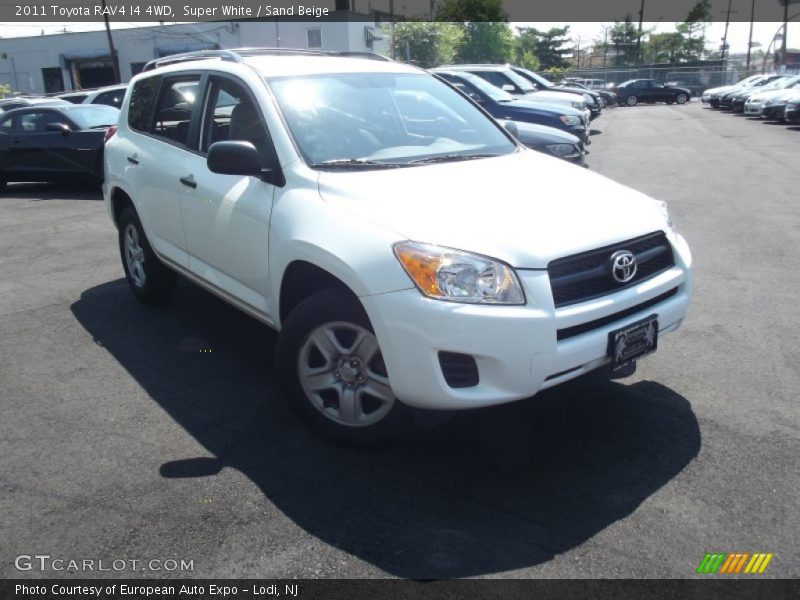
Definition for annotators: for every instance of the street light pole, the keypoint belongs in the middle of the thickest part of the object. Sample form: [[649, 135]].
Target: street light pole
[[111, 49], [785, 32], [639, 39]]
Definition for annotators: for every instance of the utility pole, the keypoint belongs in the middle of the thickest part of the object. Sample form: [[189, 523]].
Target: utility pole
[[750, 39], [785, 32], [639, 39], [725, 37], [391, 29], [111, 49]]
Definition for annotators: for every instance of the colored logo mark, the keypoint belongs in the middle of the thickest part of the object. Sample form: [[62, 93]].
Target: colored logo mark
[[735, 562]]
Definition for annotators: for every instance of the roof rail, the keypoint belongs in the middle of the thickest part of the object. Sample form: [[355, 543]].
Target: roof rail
[[232, 55]]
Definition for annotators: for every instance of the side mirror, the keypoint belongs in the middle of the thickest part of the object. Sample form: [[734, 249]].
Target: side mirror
[[507, 87], [511, 127], [241, 158], [61, 128]]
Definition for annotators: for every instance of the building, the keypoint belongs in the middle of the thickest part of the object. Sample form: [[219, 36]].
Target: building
[[48, 64]]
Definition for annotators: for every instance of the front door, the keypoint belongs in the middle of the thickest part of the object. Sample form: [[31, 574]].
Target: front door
[[226, 217]]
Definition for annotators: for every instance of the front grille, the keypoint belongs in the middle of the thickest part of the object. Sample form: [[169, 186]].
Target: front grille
[[459, 370], [568, 332], [587, 275]]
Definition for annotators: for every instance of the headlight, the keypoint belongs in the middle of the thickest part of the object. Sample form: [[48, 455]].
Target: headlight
[[578, 105], [665, 212], [562, 150], [569, 120], [447, 274]]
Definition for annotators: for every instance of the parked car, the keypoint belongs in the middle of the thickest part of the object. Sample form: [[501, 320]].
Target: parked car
[[404, 262], [8, 104], [54, 142], [756, 102], [605, 98], [591, 97], [111, 95], [502, 105], [548, 140], [74, 97], [726, 99], [634, 91], [505, 78], [792, 110], [711, 95]]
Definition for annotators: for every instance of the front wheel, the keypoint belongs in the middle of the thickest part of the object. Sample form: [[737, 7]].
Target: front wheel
[[632, 101], [602, 101], [333, 374], [681, 98]]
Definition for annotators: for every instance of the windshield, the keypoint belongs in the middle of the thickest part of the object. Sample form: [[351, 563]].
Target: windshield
[[495, 93], [537, 78], [520, 81], [383, 119], [96, 115]]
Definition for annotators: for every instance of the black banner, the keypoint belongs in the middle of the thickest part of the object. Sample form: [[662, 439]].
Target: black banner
[[377, 589]]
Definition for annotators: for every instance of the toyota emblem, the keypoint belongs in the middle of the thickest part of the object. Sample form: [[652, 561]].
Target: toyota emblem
[[623, 266]]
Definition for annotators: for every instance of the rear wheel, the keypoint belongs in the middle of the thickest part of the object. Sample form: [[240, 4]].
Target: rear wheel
[[681, 98], [332, 372], [632, 101], [150, 280]]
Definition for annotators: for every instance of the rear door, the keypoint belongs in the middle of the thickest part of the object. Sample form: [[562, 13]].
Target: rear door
[[7, 131], [161, 114]]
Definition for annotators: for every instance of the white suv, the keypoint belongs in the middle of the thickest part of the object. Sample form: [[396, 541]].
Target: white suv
[[385, 226]]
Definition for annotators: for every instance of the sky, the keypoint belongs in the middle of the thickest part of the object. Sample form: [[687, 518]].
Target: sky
[[737, 31]]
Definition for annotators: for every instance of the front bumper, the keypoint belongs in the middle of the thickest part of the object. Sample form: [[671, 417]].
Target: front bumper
[[515, 347], [753, 109]]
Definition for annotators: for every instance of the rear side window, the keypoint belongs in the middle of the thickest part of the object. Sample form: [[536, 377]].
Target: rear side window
[[174, 109], [113, 98], [141, 106]]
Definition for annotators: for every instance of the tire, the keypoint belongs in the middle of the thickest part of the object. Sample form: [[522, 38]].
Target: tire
[[150, 280], [327, 353], [681, 99], [3, 184], [631, 100]]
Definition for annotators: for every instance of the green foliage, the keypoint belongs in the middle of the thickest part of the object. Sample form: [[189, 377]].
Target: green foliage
[[623, 39], [472, 11], [486, 43], [549, 47], [528, 60], [5, 90], [427, 44]]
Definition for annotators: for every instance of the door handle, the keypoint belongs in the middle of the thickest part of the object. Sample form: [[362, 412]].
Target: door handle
[[188, 181], [133, 160]]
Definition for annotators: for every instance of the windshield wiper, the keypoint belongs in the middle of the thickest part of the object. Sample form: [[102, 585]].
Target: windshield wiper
[[349, 163], [450, 158]]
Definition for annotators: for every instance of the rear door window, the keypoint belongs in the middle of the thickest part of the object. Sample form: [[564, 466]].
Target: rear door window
[[175, 107]]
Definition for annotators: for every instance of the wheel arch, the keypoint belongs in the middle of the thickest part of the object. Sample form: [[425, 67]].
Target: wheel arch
[[301, 279]]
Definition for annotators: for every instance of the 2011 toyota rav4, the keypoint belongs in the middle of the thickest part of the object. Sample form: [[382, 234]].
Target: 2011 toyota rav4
[[389, 229]]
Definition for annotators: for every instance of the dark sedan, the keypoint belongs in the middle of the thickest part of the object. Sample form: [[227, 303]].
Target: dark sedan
[[502, 105], [54, 143], [548, 140], [634, 91]]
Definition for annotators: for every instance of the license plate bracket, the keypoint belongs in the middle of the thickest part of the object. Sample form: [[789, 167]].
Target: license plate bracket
[[628, 344]]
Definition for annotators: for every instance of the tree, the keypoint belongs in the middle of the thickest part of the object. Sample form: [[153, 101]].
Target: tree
[[4, 90], [486, 43], [427, 44], [472, 11], [548, 46], [487, 36], [623, 39]]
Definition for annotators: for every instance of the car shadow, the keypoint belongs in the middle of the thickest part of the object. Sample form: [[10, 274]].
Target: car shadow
[[54, 191], [595, 132], [489, 491]]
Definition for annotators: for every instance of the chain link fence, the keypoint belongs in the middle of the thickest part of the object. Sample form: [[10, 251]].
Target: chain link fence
[[695, 78]]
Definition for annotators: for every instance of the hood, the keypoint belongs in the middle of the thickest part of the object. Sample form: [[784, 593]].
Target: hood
[[553, 97], [719, 90], [497, 206], [557, 109], [535, 135], [766, 95]]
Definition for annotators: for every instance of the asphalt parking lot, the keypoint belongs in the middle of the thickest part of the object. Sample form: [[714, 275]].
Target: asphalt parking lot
[[141, 433]]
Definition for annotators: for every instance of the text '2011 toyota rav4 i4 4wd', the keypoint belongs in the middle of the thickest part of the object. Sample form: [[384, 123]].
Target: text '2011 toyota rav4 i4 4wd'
[[385, 226]]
